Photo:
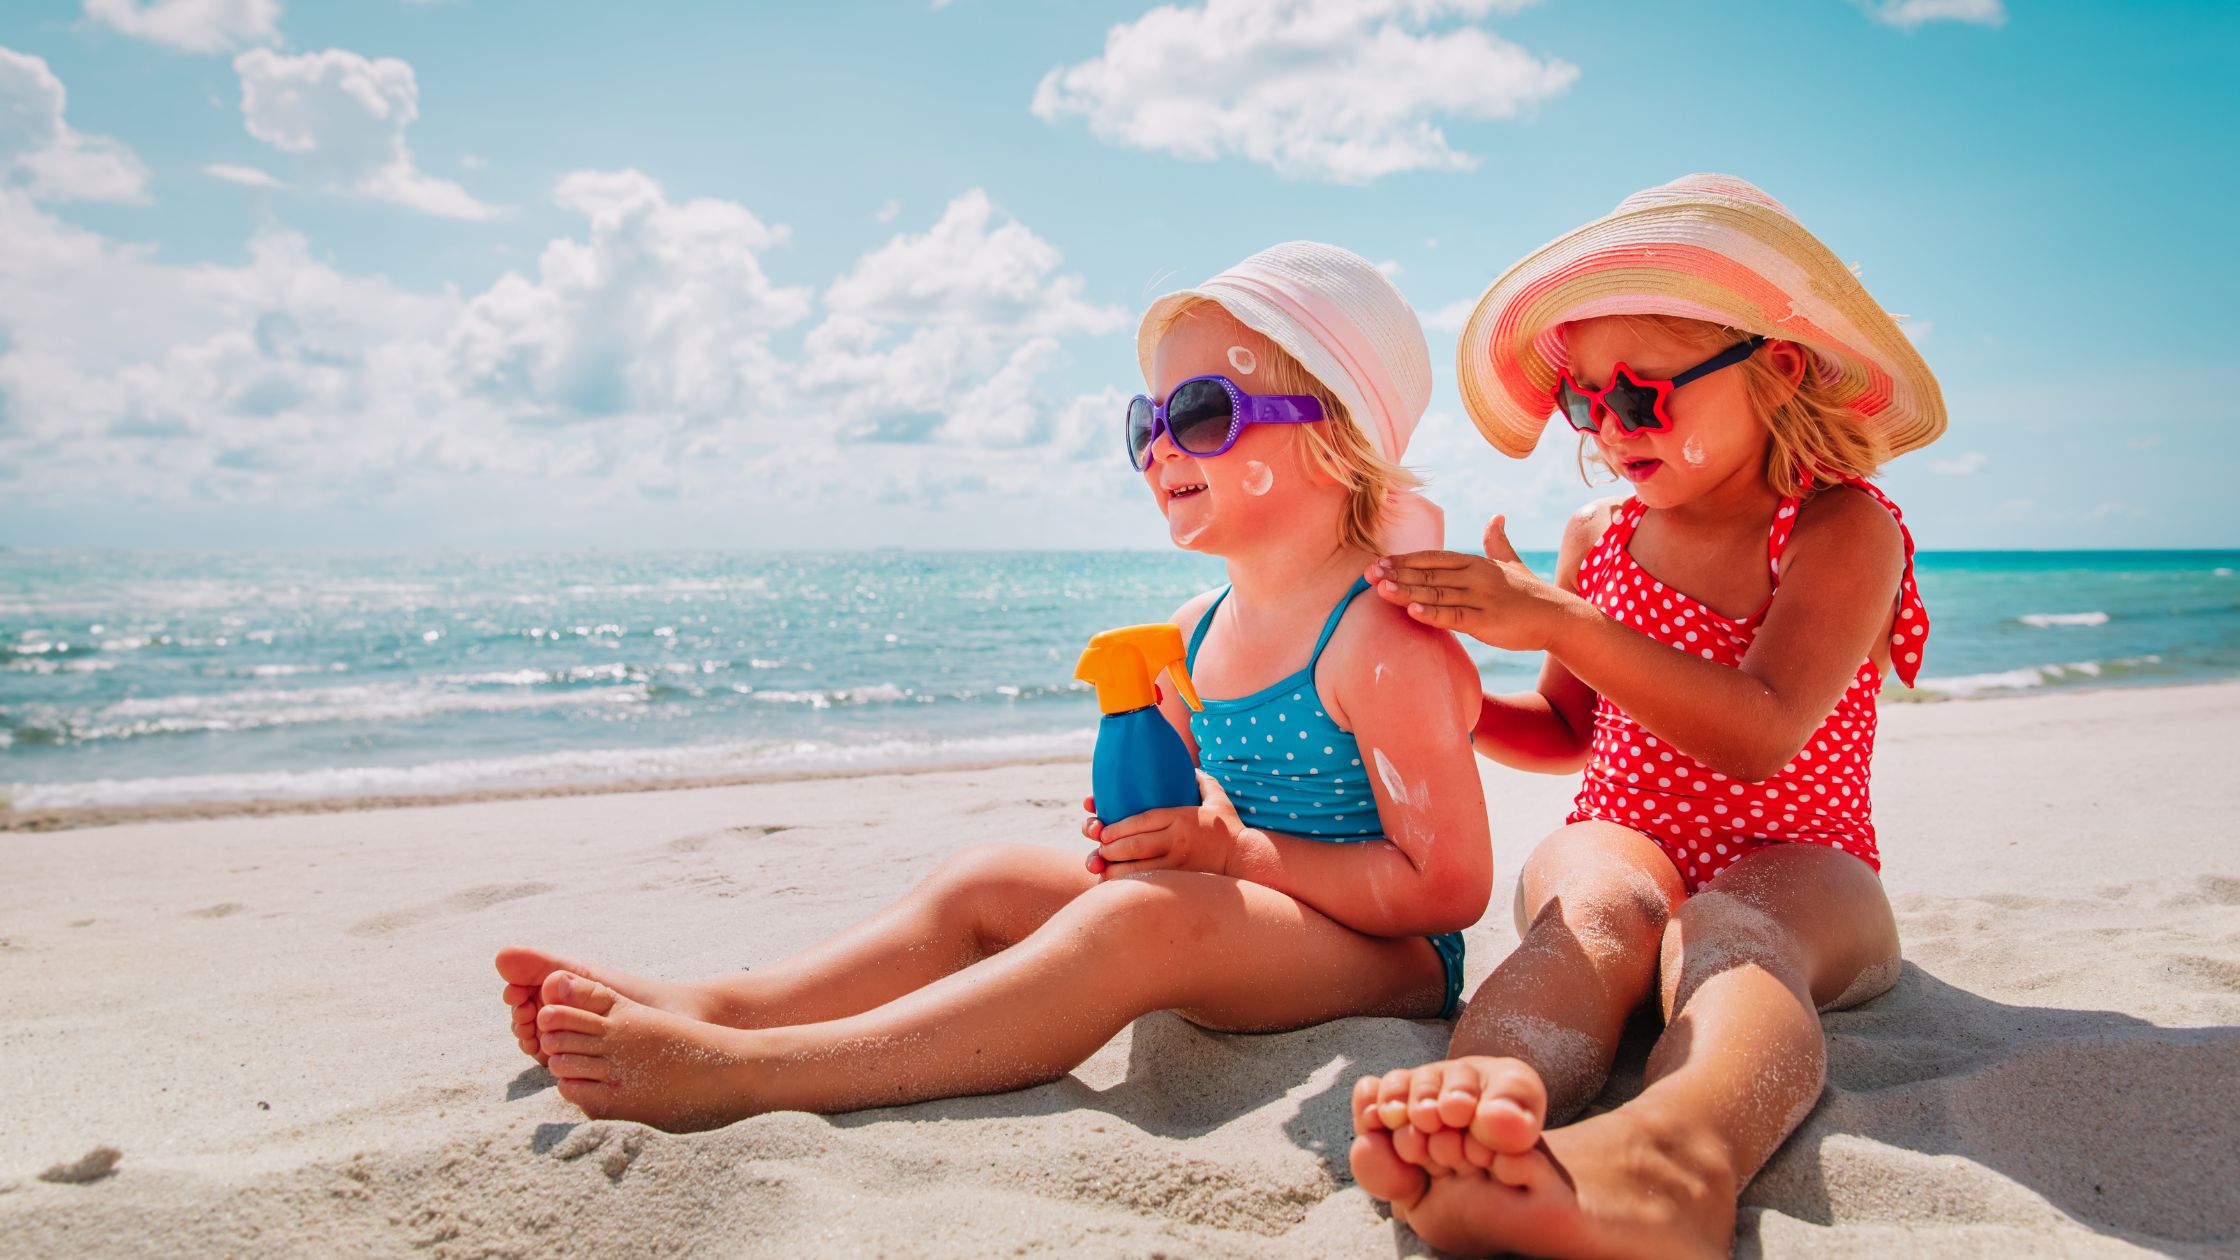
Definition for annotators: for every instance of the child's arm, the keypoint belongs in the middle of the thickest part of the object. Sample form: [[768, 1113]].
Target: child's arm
[[1839, 578], [1406, 692], [1550, 728]]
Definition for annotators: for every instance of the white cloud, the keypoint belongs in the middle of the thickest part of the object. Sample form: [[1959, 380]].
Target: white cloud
[[1339, 90], [1916, 330], [664, 310], [635, 364], [472, 162], [1451, 317], [41, 153], [1965, 464], [945, 335], [888, 210], [194, 25], [344, 118], [1908, 14], [248, 175]]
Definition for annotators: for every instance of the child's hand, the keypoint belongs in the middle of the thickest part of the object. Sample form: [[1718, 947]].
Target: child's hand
[[1497, 600], [1199, 837]]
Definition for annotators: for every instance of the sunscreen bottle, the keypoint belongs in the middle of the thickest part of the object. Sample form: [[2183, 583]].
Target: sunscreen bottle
[[1140, 762]]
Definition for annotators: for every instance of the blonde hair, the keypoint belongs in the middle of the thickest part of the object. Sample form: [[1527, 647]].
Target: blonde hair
[[1337, 446], [1814, 441]]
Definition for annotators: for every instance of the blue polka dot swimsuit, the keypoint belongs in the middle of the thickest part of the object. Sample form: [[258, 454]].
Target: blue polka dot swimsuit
[[1288, 768]]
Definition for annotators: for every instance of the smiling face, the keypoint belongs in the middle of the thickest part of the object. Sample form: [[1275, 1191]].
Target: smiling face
[[1261, 488], [1716, 434]]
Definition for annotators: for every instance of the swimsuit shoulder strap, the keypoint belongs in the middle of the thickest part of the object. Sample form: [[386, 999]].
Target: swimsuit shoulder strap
[[1330, 626], [1777, 539], [1623, 522], [1198, 636], [1624, 519], [1910, 633]]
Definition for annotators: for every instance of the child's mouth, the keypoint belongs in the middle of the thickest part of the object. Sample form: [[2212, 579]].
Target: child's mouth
[[1184, 492], [1640, 469]]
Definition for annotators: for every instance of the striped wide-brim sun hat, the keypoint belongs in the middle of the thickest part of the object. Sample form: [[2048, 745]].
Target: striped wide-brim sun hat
[[1708, 247]]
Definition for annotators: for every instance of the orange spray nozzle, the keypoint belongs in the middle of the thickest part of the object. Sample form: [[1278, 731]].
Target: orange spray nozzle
[[1124, 664]]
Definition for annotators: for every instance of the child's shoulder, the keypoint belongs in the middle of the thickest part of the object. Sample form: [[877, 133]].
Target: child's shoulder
[[1848, 518], [1584, 530], [1380, 651], [1193, 610]]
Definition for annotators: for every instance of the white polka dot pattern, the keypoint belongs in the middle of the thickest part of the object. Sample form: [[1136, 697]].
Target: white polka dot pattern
[[1703, 820]]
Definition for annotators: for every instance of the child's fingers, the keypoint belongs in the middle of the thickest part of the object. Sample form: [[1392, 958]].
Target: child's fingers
[[516, 994], [1137, 824], [1121, 870], [1095, 864], [1089, 803], [1424, 592], [1092, 830], [1426, 561], [1477, 1153], [1441, 616], [1458, 1094], [1135, 848]]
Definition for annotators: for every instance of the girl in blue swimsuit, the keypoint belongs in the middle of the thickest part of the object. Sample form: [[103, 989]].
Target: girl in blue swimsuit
[[1342, 842]]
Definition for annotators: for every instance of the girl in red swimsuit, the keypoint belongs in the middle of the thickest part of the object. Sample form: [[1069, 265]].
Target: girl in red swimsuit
[[1714, 646]]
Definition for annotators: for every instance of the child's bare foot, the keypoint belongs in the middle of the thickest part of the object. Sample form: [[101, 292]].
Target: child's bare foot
[[624, 1060], [1455, 1115], [1618, 1184], [525, 970]]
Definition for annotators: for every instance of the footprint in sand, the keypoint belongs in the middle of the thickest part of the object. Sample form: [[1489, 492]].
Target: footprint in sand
[[464, 902], [219, 911], [615, 1152]]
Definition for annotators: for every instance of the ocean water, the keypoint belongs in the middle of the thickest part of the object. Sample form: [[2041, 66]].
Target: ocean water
[[142, 677]]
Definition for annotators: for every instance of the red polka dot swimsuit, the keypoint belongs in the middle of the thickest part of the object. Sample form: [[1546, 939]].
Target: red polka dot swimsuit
[[1704, 820]]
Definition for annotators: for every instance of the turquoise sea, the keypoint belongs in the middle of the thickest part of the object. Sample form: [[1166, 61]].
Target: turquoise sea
[[140, 677]]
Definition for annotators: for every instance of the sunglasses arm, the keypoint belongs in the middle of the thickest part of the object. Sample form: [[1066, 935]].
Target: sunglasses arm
[[1281, 409]]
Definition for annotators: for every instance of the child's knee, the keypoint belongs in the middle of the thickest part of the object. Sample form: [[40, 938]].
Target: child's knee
[[1612, 913], [1146, 914], [1716, 931]]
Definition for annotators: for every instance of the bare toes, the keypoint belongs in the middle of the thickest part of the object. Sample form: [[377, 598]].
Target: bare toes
[[1512, 1108], [1382, 1172], [1458, 1094], [565, 988], [570, 1019], [1366, 1118], [580, 1067], [594, 1097]]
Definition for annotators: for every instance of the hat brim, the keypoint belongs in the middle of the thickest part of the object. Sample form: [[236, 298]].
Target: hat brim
[[1698, 254]]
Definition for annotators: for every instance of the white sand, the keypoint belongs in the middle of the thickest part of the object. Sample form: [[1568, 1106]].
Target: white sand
[[289, 1028]]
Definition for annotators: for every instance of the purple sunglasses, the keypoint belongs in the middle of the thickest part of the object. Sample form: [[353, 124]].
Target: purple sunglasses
[[1205, 414]]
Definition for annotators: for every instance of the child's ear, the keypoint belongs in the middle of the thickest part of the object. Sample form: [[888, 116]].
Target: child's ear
[[1789, 362]]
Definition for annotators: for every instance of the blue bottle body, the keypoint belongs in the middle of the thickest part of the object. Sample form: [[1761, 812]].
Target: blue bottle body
[[1140, 764]]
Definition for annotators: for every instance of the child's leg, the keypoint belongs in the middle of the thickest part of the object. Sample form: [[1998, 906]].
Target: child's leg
[[1225, 953], [1536, 1042], [975, 903], [1748, 964]]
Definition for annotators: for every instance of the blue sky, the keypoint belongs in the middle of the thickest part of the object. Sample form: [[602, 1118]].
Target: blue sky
[[482, 273]]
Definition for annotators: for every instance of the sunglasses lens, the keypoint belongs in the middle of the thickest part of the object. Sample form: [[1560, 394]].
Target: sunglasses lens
[[1198, 415], [1139, 432], [1633, 404], [1577, 407]]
